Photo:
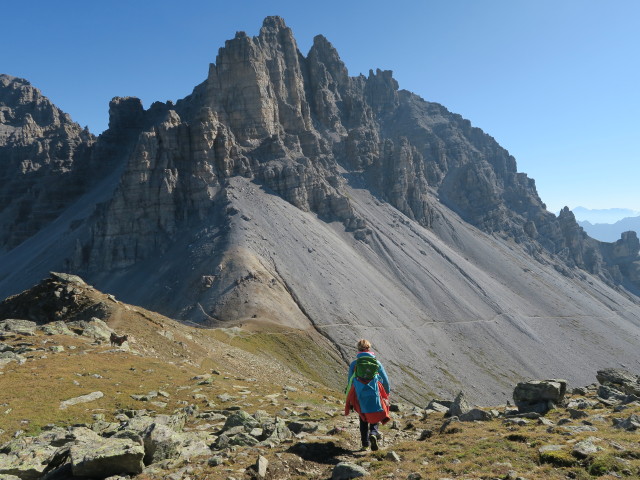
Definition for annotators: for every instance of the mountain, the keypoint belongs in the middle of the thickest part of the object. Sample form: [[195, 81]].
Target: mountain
[[606, 215], [283, 191], [610, 232]]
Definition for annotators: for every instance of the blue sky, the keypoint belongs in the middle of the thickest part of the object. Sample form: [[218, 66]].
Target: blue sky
[[557, 83]]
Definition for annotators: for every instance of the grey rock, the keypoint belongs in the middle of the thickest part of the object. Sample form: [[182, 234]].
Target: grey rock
[[8, 357], [67, 278], [475, 415], [276, 431], [89, 397], [606, 392], [459, 406], [161, 443], [550, 448], [94, 328], [585, 448], [20, 327], [539, 395], [577, 429], [546, 422], [577, 414], [240, 419], [297, 427], [261, 467], [619, 379], [195, 445], [25, 457], [104, 457], [631, 423], [441, 406], [392, 456], [347, 470], [243, 440]]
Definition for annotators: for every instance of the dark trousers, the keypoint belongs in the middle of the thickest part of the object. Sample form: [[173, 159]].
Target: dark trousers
[[367, 429]]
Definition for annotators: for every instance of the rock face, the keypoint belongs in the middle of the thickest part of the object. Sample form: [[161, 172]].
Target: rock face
[[282, 189], [41, 153]]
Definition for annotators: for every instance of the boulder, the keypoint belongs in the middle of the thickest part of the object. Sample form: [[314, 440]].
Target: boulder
[[539, 396], [607, 392], [240, 418], [161, 443], [261, 466], [441, 406], [94, 328], [585, 448], [89, 397], [28, 464], [20, 327], [104, 457], [347, 470], [475, 415], [8, 357], [56, 328], [620, 380], [459, 406], [632, 423], [276, 431]]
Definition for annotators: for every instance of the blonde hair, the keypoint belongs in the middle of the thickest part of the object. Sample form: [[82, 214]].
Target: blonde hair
[[363, 345]]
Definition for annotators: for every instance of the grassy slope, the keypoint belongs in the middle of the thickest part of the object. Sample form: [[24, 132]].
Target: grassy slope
[[253, 365]]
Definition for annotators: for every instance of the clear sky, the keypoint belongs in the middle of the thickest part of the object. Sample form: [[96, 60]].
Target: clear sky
[[555, 82]]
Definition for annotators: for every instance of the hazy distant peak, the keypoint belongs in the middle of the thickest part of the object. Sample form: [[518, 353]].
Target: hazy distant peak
[[606, 215]]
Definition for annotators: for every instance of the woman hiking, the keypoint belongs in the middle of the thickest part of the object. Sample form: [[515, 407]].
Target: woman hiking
[[368, 394]]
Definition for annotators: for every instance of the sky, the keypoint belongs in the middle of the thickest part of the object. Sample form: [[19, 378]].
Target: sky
[[555, 82]]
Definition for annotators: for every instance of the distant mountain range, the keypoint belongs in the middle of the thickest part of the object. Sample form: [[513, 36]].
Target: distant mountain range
[[604, 215], [610, 232]]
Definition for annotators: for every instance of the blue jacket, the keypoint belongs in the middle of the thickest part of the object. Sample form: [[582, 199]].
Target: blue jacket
[[382, 374]]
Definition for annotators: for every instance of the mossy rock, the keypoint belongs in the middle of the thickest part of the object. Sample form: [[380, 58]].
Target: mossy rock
[[558, 458], [603, 464]]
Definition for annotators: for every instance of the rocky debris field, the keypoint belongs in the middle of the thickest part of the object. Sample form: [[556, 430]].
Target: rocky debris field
[[245, 420]]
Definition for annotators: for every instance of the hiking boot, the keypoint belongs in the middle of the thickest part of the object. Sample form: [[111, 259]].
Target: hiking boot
[[374, 442]]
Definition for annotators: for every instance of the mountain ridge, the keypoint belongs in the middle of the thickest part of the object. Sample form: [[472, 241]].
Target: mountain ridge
[[610, 232], [282, 190]]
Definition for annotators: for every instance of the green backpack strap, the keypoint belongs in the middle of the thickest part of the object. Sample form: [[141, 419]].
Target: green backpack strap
[[350, 383]]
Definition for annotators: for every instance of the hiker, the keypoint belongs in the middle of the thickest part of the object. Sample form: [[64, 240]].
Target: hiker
[[368, 394]]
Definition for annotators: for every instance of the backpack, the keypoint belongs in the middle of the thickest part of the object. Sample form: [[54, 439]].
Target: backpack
[[366, 368]]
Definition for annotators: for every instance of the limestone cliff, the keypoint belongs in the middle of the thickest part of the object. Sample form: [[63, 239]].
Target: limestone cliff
[[41, 153]]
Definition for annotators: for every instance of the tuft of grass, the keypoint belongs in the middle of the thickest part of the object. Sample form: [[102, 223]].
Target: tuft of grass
[[558, 458]]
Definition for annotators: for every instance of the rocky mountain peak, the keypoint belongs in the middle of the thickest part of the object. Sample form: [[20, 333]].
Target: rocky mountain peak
[[22, 104]]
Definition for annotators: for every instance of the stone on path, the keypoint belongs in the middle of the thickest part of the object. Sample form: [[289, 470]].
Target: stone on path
[[347, 470]]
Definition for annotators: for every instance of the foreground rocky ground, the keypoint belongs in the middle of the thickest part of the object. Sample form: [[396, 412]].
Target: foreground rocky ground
[[178, 402]]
